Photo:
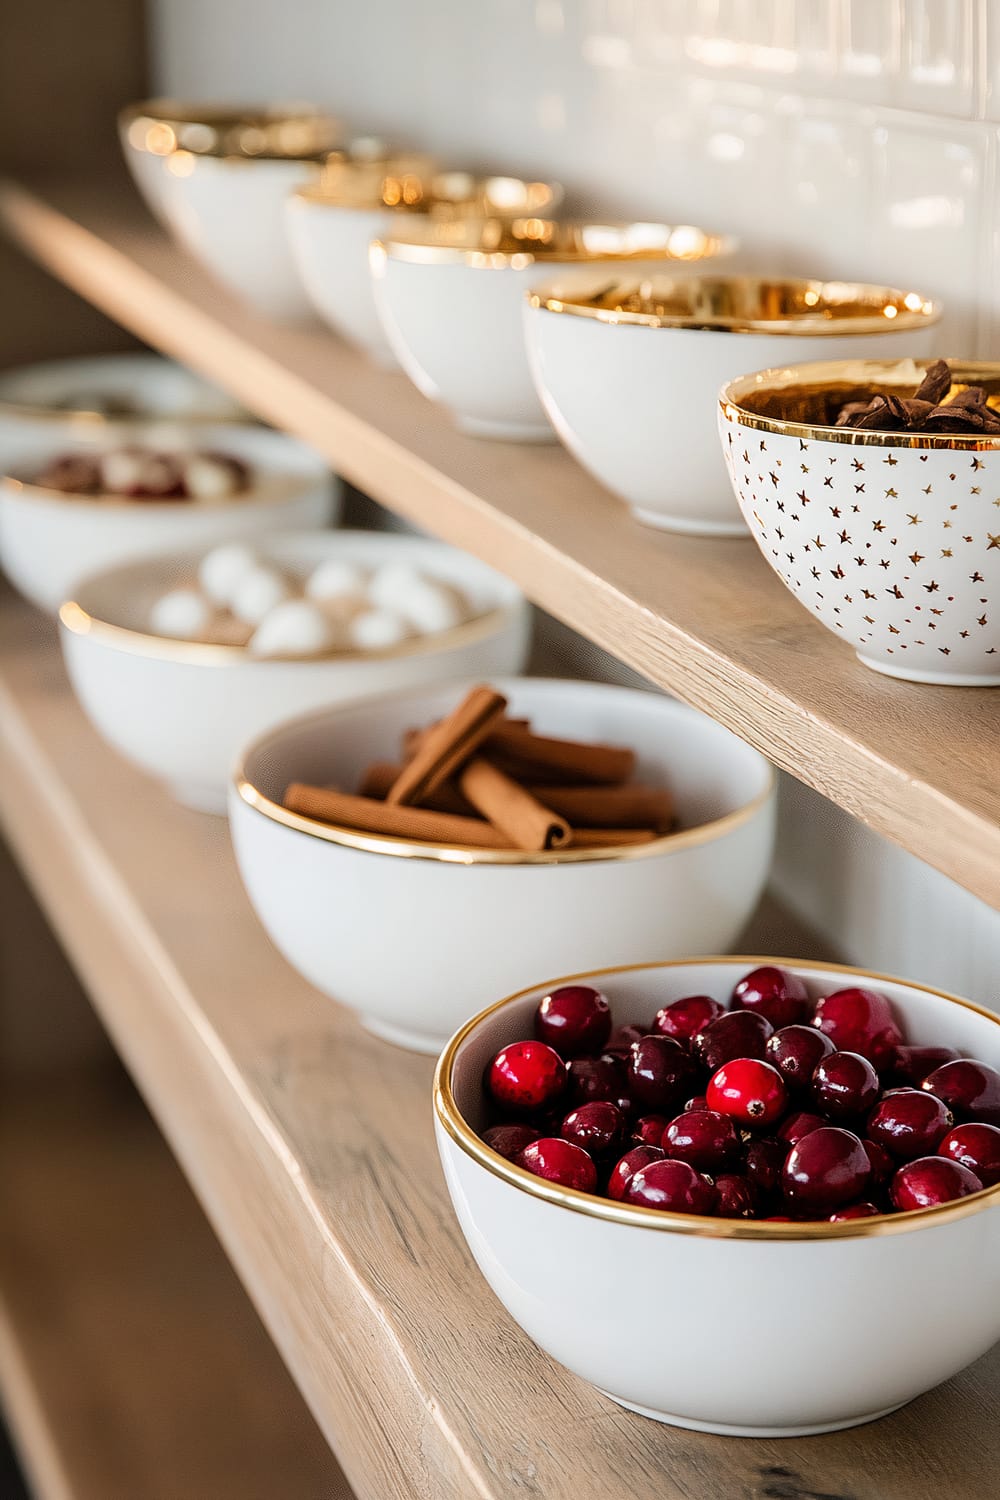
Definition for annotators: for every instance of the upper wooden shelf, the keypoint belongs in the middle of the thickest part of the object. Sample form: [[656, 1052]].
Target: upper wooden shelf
[[705, 619]]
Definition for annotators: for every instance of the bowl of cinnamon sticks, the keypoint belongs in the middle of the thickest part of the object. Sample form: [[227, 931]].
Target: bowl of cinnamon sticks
[[411, 853]]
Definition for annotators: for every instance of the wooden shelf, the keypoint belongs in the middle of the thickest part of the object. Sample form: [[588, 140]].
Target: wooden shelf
[[705, 619], [131, 1362], [310, 1146]]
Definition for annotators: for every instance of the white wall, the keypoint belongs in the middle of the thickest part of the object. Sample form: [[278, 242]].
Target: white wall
[[852, 138]]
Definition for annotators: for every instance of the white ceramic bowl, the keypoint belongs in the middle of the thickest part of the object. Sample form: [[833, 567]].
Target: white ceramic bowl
[[50, 540], [752, 1329], [332, 223], [182, 710], [449, 296], [887, 537], [416, 937], [629, 373]]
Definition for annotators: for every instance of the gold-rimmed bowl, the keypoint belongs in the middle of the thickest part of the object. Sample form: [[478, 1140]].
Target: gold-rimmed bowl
[[416, 936], [628, 369], [450, 296], [332, 222], [748, 1328], [891, 539]]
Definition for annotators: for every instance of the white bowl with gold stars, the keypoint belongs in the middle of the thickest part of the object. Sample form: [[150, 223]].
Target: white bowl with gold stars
[[891, 538]]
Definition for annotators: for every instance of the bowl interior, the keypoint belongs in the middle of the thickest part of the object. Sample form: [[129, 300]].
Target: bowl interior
[[119, 387], [812, 395]]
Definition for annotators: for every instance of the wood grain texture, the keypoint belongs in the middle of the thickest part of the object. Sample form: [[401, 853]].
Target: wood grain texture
[[310, 1145], [706, 619]]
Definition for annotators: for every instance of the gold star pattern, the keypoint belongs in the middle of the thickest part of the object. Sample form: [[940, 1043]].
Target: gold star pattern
[[994, 541], [819, 544], [981, 620], [913, 520], [931, 587], [803, 497], [891, 461], [946, 552], [916, 557], [858, 465], [878, 525], [891, 495], [977, 463]]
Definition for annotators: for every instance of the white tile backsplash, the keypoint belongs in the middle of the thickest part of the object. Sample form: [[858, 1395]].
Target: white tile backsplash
[[850, 138]]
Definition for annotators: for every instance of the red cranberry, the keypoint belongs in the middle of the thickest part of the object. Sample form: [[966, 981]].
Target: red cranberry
[[734, 1197], [526, 1076], [750, 1091], [909, 1123], [800, 1124], [880, 1161], [621, 1172], [599, 1128], [971, 1089], [703, 1137], [859, 1020], [648, 1130], [683, 1019], [595, 1078], [976, 1146], [775, 994], [660, 1073], [738, 1033], [575, 1020], [844, 1085], [510, 1140], [795, 1051], [931, 1180], [560, 1161], [619, 1044], [764, 1161], [912, 1064], [698, 1101], [826, 1170], [861, 1210], [673, 1186]]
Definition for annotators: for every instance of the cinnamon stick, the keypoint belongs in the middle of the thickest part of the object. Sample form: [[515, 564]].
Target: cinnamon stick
[[608, 838], [526, 822], [369, 816], [448, 745], [381, 774], [607, 765]]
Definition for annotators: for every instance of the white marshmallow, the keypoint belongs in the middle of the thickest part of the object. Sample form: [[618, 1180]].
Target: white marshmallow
[[377, 630], [429, 608], [390, 585], [295, 628], [183, 614], [257, 593], [336, 578], [208, 479], [121, 470], [221, 570]]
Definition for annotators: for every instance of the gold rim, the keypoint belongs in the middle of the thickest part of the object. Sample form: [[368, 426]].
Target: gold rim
[[498, 242], [419, 185], [83, 416], [297, 132], [816, 375], [828, 309], [453, 1122]]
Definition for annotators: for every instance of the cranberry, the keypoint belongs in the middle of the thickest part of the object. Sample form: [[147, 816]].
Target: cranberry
[[844, 1085], [931, 1180], [621, 1172], [619, 1044], [795, 1051], [976, 1146], [764, 1161], [648, 1130], [559, 1161], [510, 1140], [526, 1076], [971, 1089], [912, 1064], [800, 1124], [703, 1137], [858, 1020], [673, 1186], [880, 1161], [595, 1078], [735, 1197], [599, 1128], [683, 1019], [862, 1210], [909, 1123], [750, 1091], [775, 994], [738, 1033], [698, 1101], [575, 1020], [660, 1073], [826, 1170]]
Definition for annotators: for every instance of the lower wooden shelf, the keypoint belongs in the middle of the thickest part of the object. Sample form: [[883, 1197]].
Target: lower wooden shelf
[[132, 1366]]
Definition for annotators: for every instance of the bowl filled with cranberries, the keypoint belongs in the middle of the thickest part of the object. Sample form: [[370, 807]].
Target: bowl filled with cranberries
[[778, 1160], [66, 513]]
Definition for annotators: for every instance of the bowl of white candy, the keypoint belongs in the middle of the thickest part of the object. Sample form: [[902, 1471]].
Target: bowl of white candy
[[179, 661]]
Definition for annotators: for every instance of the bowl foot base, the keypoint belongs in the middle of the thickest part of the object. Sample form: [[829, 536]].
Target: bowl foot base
[[399, 1036], [201, 798], [661, 522], [939, 679], [506, 432], [753, 1432]]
